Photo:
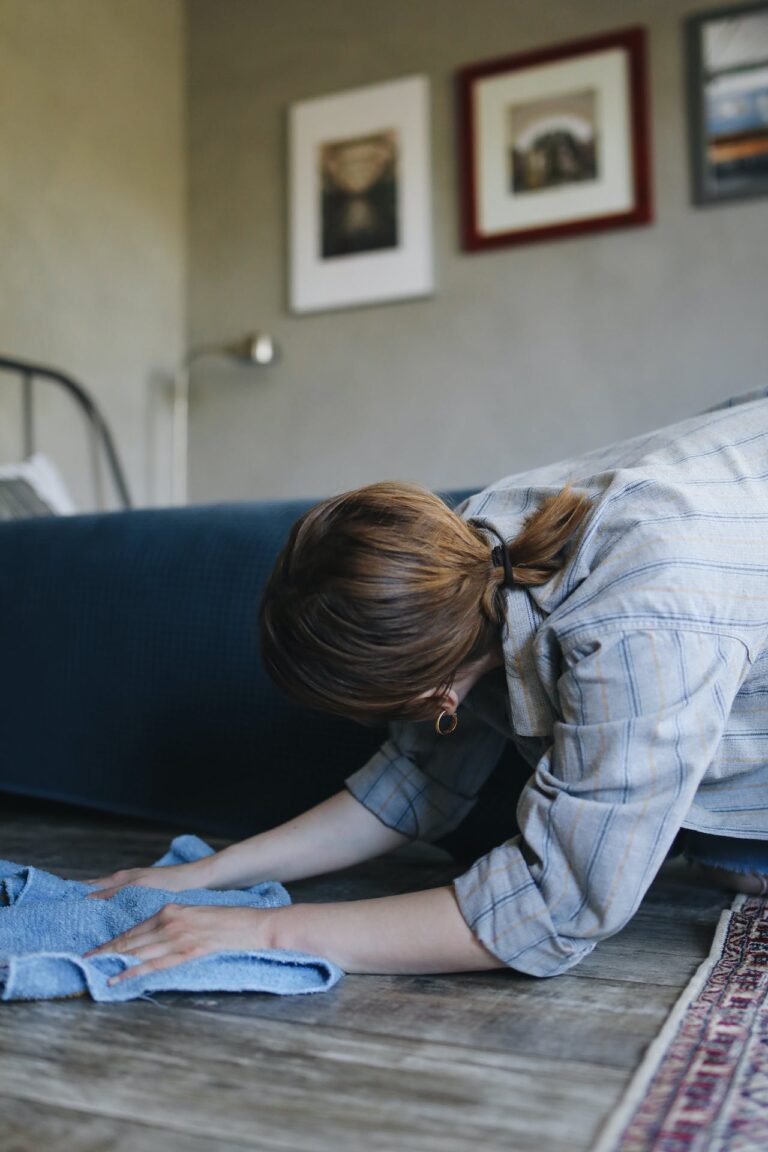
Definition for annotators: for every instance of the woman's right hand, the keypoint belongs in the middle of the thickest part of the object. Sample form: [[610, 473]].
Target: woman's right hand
[[170, 877]]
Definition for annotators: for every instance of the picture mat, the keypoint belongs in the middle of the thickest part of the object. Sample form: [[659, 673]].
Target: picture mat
[[498, 208], [732, 39], [362, 278]]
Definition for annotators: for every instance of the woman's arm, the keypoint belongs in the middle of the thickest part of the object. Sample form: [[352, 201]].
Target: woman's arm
[[642, 714], [414, 933], [335, 834]]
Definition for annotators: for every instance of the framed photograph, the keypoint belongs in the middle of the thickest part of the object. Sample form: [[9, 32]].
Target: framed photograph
[[360, 219], [555, 142], [727, 55]]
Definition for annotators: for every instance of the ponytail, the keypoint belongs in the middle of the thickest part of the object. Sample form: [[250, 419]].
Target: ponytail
[[535, 554]]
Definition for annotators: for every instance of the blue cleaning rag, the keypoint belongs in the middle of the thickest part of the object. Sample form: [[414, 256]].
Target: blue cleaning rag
[[46, 924]]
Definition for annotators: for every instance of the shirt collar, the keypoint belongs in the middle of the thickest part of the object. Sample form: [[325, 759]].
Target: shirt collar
[[531, 712]]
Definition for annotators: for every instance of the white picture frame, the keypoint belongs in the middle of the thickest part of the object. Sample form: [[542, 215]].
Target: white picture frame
[[360, 201]]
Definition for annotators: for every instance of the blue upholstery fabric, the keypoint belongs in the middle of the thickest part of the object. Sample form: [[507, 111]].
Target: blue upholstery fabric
[[130, 677], [130, 674]]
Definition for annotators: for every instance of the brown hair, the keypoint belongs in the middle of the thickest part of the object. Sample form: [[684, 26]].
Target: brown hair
[[383, 593]]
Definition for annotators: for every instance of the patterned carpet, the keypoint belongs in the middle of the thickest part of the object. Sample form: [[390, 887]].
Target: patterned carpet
[[703, 1085]]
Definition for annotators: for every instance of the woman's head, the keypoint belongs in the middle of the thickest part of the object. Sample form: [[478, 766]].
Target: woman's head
[[381, 594]]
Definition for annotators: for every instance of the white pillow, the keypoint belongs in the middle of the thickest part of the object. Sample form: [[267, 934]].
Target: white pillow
[[33, 488]]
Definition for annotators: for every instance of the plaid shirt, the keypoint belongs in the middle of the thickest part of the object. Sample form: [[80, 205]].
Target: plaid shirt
[[635, 684]]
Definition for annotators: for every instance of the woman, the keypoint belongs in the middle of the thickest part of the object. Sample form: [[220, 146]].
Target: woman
[[608, 614]]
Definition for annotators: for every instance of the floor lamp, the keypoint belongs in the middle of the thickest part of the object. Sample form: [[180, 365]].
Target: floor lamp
[[257, 348]]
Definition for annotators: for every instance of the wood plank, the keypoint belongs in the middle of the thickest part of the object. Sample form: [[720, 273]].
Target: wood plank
[[289, 1086], [585, 1021], [31, 1126]]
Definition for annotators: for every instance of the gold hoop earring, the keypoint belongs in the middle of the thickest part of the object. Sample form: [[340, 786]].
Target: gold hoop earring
[[446, 731]]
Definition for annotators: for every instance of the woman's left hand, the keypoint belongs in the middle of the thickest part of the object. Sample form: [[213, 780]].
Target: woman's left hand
[[181, 932]]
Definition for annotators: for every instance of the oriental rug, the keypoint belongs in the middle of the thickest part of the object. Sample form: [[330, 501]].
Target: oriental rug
[[703, 1083]]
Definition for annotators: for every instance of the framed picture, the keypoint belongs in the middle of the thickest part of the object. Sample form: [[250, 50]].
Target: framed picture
[[555, 142], [360, 198], [727, 54]]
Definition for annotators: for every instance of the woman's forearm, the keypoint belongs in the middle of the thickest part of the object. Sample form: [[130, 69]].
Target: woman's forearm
[[414, 933], [335, 834]]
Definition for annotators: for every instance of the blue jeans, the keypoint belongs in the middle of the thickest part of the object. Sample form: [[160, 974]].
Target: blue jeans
[[721, 851]]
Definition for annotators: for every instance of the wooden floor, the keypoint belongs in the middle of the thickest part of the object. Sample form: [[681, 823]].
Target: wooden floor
[[497, 1060]]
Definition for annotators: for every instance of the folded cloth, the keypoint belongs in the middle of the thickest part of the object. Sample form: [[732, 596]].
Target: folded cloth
[[46, 923], [52, 975]]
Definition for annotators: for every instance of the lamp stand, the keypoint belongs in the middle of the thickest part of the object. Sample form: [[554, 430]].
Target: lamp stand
[[180, 435]]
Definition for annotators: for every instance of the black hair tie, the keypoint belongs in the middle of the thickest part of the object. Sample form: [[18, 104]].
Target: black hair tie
[[500, 557]]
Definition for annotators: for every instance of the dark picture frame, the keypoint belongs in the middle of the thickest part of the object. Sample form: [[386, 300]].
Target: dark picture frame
[[592, 176], [727, 136]]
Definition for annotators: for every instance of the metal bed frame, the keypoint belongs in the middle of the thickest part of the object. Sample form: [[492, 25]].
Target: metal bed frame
[[100, 438]]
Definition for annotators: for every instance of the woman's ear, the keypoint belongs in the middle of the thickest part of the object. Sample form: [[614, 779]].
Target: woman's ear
[[444, 701]]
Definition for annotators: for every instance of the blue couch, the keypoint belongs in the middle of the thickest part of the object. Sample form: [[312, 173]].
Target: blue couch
[[131, 681]]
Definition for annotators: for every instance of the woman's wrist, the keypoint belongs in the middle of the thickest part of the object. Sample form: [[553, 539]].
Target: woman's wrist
[[225, 869], [288, 928]]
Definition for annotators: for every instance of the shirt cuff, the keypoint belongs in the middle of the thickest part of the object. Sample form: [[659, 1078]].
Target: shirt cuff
[[405, 798], [504, 908]]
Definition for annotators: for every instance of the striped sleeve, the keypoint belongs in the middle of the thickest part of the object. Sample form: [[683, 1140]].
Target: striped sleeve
[[642, 714], [422, 784]]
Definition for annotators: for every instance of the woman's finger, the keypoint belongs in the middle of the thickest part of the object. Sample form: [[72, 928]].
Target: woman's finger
[[125, 942], [151, 951], [104, 893], [147, 928], [169, 961], [118, 945]]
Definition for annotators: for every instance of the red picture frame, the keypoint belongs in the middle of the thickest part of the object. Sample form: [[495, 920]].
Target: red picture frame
[[637, 190]]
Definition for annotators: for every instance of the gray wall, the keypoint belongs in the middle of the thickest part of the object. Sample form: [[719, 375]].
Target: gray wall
[[523, 355], [92, 219]]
